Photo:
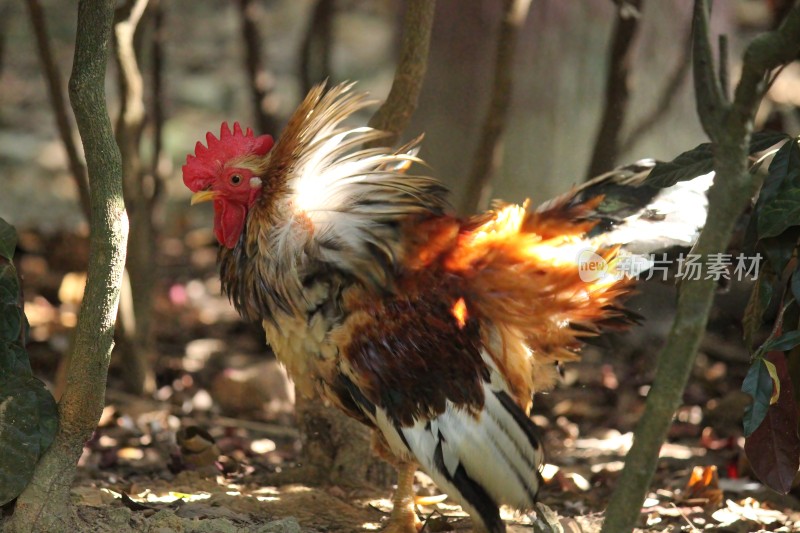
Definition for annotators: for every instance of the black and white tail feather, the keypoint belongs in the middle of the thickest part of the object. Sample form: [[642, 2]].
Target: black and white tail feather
[[482, 461], [642, 218]]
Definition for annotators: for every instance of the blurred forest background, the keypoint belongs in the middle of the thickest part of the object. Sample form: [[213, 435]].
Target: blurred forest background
[[186, 365]]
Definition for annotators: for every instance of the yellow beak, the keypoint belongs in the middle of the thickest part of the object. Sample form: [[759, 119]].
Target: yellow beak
[[203, 196]]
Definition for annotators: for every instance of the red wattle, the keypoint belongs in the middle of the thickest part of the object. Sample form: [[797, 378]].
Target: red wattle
[[228, 222]]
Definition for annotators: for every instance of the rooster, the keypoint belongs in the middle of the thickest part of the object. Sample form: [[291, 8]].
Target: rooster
[[433, 330]]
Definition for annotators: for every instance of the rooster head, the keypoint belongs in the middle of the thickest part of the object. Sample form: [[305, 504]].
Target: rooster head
[[224, 172]]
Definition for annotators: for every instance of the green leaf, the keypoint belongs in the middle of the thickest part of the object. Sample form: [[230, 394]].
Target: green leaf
[[10, 311], [19, 438], [759, 384], [784, 343], [773, 373], [687, 166], [778, 169], [778, 206], [8, 240], [700, 160], [780, 214], [28, 414], [762, 140], [780, 250], [28, 422], [9, 284], [48, 414], [13, 361], [756, 305], [795, 284], [774, 448]]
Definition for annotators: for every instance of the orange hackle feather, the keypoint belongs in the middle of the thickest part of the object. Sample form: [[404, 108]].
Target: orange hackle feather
[[518, 270]]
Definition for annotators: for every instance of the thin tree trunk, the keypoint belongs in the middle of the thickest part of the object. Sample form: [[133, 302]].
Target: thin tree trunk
[[45, 505], [261, 82], [315, 55], [59, 103], [490, 145], [395, 113], [135, 346], [728, 124], [157, 98], [607, 143], [666, 98]]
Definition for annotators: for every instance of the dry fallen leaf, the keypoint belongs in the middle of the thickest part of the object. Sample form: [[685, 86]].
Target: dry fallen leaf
[[703, 487]]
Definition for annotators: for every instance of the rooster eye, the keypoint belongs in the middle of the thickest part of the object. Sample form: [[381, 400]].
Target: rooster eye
[[236, 179]]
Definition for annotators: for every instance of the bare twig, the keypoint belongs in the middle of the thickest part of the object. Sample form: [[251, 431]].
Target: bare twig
[[724, 71], [607, 143], [134, 330], [260, 80], [5, 17], [665, 100], [315, 56], [45, 504], [489, 151], [157, 98], [395, 113], [59, 103], [131, 116], [728, 124], [709, 94]]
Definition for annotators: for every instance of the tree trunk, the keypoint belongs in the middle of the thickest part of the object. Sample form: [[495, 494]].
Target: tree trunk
[[44, 506], [337, 449]]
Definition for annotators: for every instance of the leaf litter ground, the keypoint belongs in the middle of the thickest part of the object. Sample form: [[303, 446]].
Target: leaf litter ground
[[213, 448]]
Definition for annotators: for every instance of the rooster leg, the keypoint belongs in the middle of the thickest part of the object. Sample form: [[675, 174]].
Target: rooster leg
[[403, 518]]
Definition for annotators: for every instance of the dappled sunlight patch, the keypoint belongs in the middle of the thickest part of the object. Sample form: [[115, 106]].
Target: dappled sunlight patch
[[549, 471], [748, 509], [680, 451], [148, 496]]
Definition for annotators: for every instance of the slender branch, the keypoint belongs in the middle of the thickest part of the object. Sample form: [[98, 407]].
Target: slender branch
[[89, 362], [607, 143], [157, 98], [131, 117], [45, 503], [261, 83], [724, 70], [709, 95], [134, 328], [395, 113], [59, 103], [5, 17], [729, 125], [132, 112], [489, 151], [765, 53], [315, 55], [665, 100]]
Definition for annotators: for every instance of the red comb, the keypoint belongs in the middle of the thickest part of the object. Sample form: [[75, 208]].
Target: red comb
[[201, 169]]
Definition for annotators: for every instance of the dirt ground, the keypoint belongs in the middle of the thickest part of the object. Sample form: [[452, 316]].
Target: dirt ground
[[215, 448]]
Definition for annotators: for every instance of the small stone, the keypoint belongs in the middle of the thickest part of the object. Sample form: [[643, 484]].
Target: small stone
[[214, 525], [119, 517], [285, 525]]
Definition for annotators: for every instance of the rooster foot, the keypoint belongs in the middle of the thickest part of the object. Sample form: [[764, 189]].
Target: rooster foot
[[403, 523]]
